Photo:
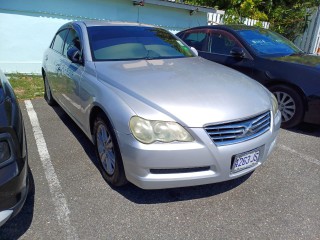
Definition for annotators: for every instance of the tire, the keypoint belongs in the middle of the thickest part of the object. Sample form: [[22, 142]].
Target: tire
[[290, 104], [108, 153], [47, 92]]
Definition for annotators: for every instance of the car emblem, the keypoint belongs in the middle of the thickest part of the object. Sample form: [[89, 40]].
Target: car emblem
[[247, 129]]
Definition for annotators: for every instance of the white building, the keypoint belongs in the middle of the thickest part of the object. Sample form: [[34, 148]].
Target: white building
[[27, 27], [310, 40]]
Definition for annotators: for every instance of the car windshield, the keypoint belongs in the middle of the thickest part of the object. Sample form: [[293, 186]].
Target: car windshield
[[111, 43], [265, 42]]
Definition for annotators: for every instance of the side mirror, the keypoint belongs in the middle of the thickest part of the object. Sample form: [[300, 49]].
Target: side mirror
[[194, 51], [237, 52], [74, 55]]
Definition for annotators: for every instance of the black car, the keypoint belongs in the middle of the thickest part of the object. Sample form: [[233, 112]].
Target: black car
[[274, 61], [13, 154]]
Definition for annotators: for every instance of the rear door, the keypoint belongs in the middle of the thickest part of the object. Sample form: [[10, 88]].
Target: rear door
[[52, 60]]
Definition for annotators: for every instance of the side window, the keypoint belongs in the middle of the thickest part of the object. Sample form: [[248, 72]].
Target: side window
[[222, 42], [195, 39], [71, 41], [59, 40]]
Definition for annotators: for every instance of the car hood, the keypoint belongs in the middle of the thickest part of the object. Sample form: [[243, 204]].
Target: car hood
[[191, 91], [301, 59]]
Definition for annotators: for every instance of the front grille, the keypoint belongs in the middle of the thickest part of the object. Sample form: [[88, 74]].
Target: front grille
[[240, 131]]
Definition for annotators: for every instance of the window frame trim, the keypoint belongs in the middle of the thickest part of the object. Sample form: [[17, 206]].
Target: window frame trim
[[200, 30], [229, 34], [64, 40]]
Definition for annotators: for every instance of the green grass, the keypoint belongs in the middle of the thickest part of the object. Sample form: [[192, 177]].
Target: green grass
[[26, 86]]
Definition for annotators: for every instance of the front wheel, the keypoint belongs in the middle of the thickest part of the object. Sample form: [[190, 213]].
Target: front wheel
[[108, 153], [290, 104]]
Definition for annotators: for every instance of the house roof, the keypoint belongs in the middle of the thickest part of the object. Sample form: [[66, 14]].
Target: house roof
[[178, 4]]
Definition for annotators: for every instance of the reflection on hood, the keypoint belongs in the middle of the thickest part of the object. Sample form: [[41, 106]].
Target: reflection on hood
[[304, 59]]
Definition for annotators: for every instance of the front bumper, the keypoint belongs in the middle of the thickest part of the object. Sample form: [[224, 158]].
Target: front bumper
[[161, 165], [13, 188]]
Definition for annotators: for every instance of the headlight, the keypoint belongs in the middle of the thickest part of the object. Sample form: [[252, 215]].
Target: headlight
[[4, 151], [149, 131], [275, 106]]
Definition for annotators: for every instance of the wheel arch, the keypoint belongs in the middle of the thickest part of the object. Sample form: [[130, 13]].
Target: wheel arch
[[95, 111], [118, 177], [292, 86], [43, 72]]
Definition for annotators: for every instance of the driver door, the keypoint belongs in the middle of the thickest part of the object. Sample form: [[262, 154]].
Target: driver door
[[72, 73], [220, 44]]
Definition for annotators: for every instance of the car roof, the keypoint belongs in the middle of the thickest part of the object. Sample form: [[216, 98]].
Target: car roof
[[233, 27], [95, 23]]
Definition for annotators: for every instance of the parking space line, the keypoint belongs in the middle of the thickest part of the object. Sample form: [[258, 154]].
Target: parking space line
[[303, 156], [59, 200]]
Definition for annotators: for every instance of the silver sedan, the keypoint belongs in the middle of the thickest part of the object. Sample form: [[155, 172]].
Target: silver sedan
[[158, 115]]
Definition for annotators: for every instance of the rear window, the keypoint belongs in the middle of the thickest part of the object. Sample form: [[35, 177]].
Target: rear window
[[109, 43]]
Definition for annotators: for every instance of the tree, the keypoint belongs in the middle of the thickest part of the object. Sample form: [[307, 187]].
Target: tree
[[239, 10], [236, 10], [287, 17], [292, 18]]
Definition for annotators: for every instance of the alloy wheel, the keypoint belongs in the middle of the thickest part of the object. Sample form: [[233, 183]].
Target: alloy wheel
[[287, 105], [106, 149]]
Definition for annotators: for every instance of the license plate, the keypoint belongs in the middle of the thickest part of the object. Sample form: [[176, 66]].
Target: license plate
[[246, 160]]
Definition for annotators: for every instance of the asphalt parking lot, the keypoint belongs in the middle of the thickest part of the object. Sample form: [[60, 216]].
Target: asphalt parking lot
[[69, 199]]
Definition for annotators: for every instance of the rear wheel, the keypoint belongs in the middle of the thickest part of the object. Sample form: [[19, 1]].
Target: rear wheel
[[108, 153], [47, 92], [290, 104]]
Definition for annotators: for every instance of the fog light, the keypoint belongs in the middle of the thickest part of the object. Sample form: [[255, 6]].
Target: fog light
[[4, 151]]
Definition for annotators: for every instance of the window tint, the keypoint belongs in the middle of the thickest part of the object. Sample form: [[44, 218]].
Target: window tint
[[222, 43], [131, 42], [71, 41], [265, 42], [195, 39], [59, 40]]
